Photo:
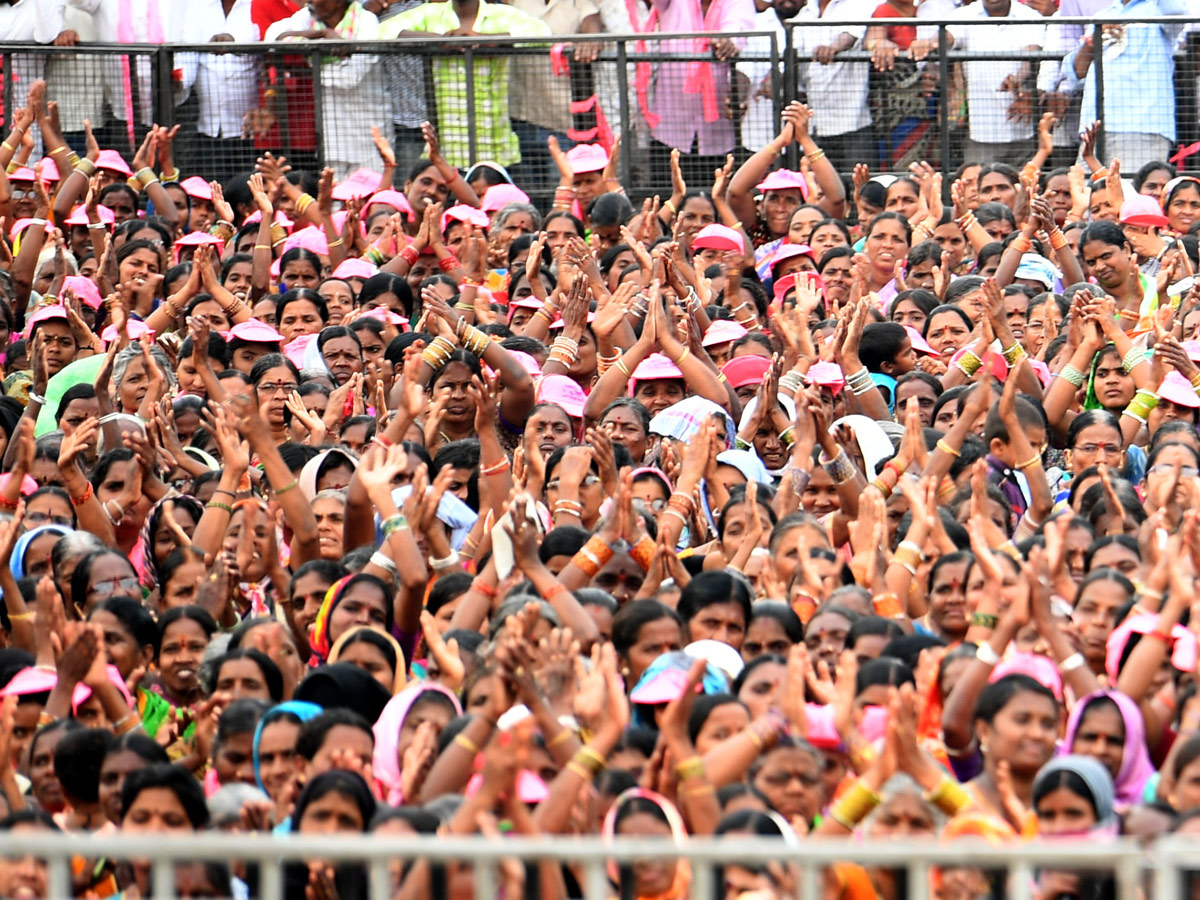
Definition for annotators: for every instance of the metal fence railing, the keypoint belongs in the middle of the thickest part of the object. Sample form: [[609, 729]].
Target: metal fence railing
[[1167, 870], [316, 101]]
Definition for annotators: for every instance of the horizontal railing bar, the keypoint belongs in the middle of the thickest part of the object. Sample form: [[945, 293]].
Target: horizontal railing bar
[[215, 846]]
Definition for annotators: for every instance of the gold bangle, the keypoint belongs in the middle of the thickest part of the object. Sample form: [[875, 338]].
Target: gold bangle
[[693, 767], [336, 243], [9, 147], [262, 246], [564, 735], [580, 770], [1035, 460], [287, 487], [946, 448], [21, 617], [466, 743]]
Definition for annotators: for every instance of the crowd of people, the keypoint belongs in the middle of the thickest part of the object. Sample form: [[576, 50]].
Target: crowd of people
[[784, 505]]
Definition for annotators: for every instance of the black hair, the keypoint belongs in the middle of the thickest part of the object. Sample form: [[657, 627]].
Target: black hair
[[269, 361], [447, 589], [270, 672], [703, 706], [946, 308], [872, 625], [303, 254], [627, 623], [1090, 417], [82, 575], [997, 695], [133, 616], [889, 217], [608, 210], [177, 780], [386, 283], [1105, 232], [713, 587], [884, 670], [835, 253], [924, 300], [793, 627], [313, 732], [879, 343], [565, 540], [194, 613]]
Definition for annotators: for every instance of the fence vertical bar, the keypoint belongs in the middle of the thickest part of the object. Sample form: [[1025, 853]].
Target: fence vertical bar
[[626, 162], [270, 880], [485, 879], [162, 877], [1098, 65], [808, 880], [702, 880], [163, 67], [472, 136], [381, 879], [777, 98], [944, 107], [9, 118], [596, 881], [59, 878], [918, 878], [1020, 881], [319, 107]]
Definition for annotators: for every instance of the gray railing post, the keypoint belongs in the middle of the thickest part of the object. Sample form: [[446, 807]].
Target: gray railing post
[[472, 135], [319, 106], [1098, 64], [9, 114], [944, 107], [625, 164]]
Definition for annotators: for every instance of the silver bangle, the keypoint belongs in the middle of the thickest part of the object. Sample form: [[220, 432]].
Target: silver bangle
[[383, 561], [1071, 663], [447, 562], [985, 654], [37, 398]]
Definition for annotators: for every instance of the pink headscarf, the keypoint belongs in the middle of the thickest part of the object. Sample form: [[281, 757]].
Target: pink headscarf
[[386, 761], [1136, 767]]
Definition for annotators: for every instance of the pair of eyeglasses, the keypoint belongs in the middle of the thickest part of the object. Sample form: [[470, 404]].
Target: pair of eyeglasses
[[588, 481]]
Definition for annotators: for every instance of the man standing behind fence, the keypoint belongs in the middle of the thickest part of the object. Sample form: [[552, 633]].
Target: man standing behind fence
[[1000, 92], [494, 137], [836, 90], [687, 106], [1139, 87]]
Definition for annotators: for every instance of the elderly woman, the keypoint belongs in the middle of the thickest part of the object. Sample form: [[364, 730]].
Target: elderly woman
[[133, 379]]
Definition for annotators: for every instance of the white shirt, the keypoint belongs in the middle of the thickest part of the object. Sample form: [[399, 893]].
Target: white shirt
[[76, 81], [179, 27], [31, 20], [988, 105], [758, 126], [837, 93], [226, 83]]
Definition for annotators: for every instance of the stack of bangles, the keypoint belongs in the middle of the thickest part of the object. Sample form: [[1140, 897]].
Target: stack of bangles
[[1058, 240], [146, 177], [564, 195], [854, 805], [642, 552], [303, 202], [6, 503], [593, 556], [437, 354], [750, 322], [496, 468], [908, 555], [840, 468], [604, 363], [1021, 244], [968, 363], [564, 350], [568, 508], [1142, 404], [88, 494], [586, 763], [449, 263], [860, 382], [681, 506], [549, 312], [410, 255], [967, 222], [472, 338], [1015, 355]]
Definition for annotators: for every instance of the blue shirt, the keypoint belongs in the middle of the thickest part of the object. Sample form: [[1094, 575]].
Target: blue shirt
[[1139, 71]]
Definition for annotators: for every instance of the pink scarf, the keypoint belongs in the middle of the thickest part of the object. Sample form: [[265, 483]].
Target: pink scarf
[[643, 71], [700, 76], [125, 35]]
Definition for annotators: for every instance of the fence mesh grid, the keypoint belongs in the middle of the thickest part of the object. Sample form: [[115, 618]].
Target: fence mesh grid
[[946, 92]]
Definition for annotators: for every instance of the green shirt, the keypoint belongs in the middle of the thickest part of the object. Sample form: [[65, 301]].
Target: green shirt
[[494, 137]]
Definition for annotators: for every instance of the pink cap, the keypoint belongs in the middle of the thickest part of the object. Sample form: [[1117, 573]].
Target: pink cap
[[83, 692], [1143, 210], [199, 239], [197, 188], [722, 331], [310, 238], [79, 216], [28, 485], [664, 687], [783, 180], [499, 196], [743, 370], [781, 286], [1178, 390], [1040, 668], [718, 237], [528, 363], [562, 390], [135, 329], [918, 342], [530, 302], [395, 200], [656, 365], [464, 213], [298, 347], [530, 787], [49, 169], [587, 158], [111, 160], [24, 173], [360, 183], [20, 225], [562, 323], [45, 313], [1193, 350], [353, 267], [827, 374], [39, 681], [383, 314], [791, 251], [256, 332], [278, 219], [83, 288]]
